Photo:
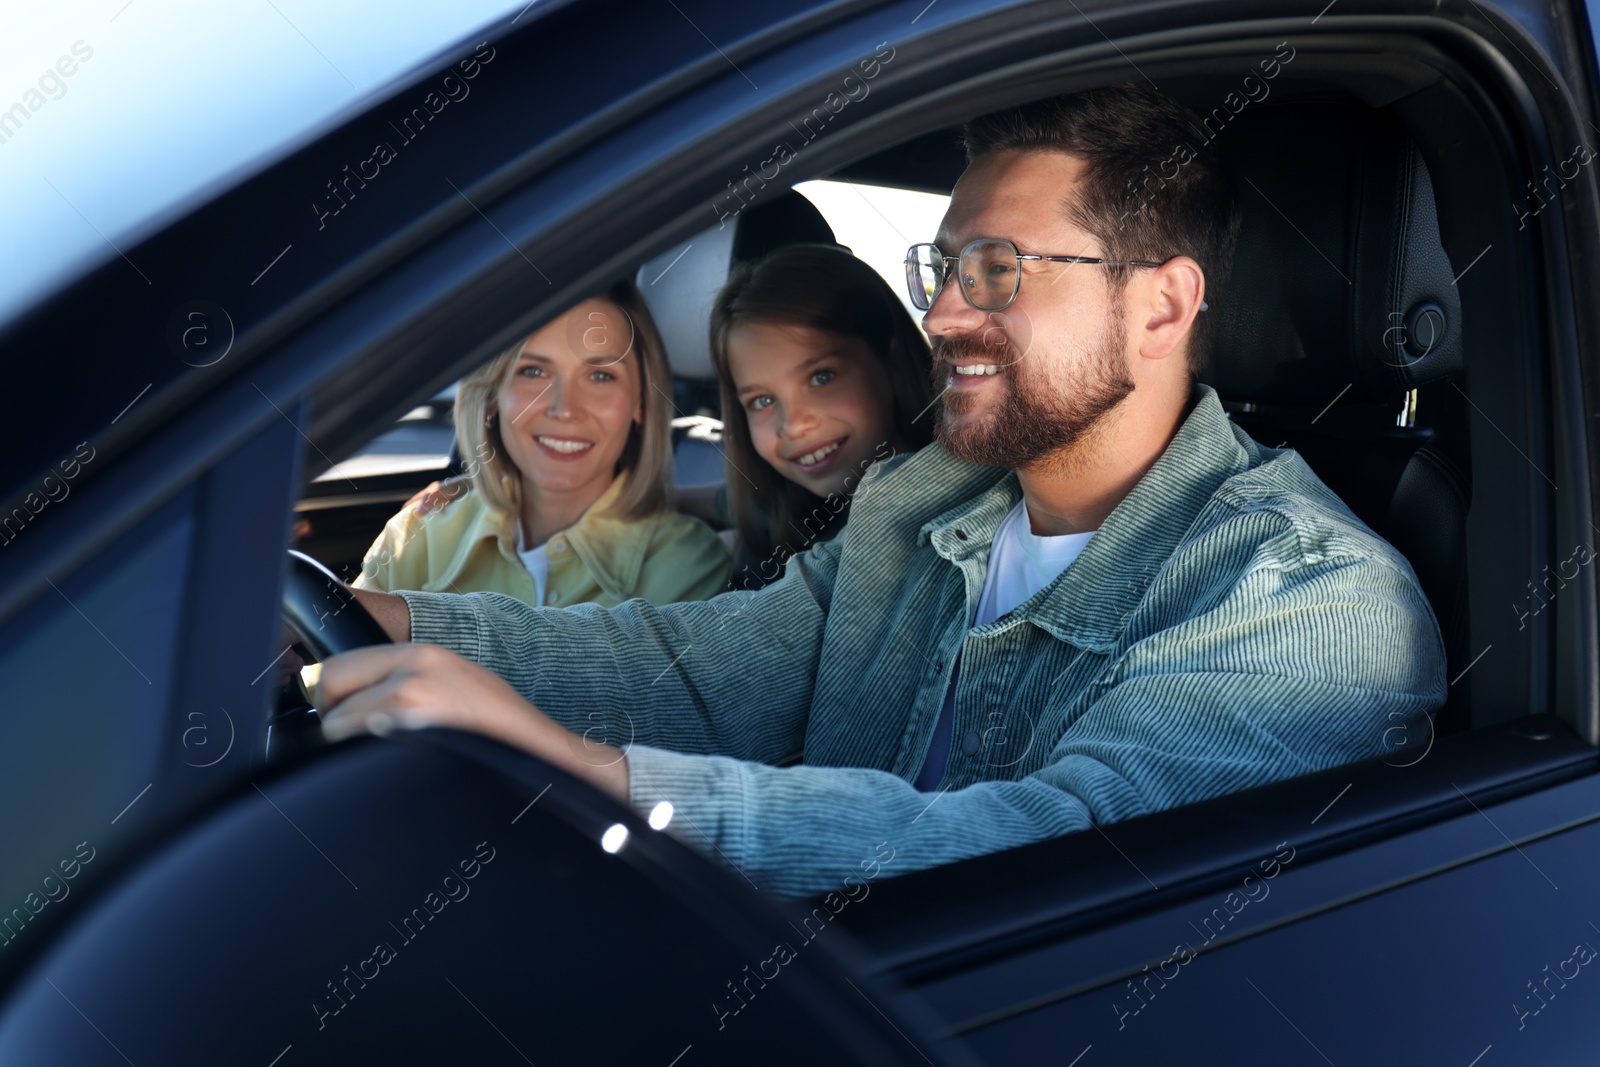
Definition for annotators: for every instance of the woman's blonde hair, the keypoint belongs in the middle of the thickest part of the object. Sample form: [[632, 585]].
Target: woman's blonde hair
[[647, 457]]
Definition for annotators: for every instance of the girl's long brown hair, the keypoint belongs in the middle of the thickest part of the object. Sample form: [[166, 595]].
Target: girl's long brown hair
[[823, 287]]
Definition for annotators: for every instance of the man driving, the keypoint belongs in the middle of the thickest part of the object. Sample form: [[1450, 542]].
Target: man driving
[[1093, 598]]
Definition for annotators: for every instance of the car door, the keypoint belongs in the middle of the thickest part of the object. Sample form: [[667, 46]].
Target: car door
[[1430, 905]]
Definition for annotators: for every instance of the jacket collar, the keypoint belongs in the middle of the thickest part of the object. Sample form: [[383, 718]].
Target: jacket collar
[[1089, 603], [612, 548], [600, 541], [486, 524]]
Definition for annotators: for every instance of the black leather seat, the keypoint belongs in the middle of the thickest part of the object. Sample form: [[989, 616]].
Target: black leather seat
[[1342, 302]]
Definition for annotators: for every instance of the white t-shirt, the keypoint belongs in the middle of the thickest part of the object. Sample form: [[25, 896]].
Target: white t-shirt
[[537, 560], [1021, 563]]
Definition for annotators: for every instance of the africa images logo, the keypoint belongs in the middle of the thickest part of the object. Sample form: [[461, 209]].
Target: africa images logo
[[853, 89], [52, 488], [1214, 924], [1252, 90], [452, 89], [855, 888], [1537, 602], [51, 82], [453, 889]]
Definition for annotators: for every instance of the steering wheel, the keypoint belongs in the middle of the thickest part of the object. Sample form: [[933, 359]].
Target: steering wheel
[[323, 612], [327, 619]]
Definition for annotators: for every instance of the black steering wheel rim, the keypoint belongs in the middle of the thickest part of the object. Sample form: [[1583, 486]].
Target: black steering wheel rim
[[323, 611]]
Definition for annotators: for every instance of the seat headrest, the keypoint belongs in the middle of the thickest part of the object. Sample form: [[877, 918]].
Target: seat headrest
[[681, 284], [1340, 278]]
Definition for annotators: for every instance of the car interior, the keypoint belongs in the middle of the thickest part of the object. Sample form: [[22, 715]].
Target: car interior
[[1341, 336], [1374, 188], [337, 518]]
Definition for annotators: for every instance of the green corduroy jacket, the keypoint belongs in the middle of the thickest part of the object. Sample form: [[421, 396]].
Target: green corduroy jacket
[[1231, 623]]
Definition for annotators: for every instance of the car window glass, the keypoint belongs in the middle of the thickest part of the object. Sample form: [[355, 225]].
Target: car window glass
[[878, 224], [419, 443]]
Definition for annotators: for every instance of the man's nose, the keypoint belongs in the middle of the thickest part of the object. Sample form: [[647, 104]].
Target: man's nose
[[950, 312]]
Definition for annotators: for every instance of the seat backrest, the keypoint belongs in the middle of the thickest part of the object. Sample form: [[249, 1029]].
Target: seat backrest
[[1342, 301], [1340, 279], [680, 284]]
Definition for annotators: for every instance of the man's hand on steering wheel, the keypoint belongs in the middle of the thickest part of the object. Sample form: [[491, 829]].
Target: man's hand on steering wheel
[[366, 684]]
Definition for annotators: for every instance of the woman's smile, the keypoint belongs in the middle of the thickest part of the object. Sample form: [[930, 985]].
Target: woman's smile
[[562, 448]]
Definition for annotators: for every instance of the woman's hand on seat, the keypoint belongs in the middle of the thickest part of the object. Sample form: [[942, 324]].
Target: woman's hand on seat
[[412, 686], [437, 494]]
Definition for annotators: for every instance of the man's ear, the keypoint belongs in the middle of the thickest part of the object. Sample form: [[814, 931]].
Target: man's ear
[[1170, 298]]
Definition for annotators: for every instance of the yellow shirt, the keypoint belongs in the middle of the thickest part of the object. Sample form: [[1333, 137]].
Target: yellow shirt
[[469, 547]]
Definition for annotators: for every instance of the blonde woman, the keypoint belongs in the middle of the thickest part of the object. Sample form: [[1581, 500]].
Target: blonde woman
[[568, 445]]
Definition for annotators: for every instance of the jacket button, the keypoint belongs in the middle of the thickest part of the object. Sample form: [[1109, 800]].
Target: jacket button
[[971, 743], [558, 544]]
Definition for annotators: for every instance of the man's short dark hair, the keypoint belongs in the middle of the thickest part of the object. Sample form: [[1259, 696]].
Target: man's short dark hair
[[1153, 188]]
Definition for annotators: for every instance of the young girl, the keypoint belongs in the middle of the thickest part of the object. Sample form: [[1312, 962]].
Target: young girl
[[822, 373], [568, 445]]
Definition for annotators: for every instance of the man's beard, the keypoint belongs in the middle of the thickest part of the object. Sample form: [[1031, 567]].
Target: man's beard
[[1032, 419]]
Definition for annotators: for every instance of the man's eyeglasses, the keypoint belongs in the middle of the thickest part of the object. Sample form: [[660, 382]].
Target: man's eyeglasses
[[990, 268]]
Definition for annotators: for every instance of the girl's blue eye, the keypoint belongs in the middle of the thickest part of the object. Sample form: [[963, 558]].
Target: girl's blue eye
[[532, 370], [604, 376], [759, 403], [823, 377]]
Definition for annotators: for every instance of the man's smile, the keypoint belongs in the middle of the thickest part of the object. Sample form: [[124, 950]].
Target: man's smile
[[972, 374]]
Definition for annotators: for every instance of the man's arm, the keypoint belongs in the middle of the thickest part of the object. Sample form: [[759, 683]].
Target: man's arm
[[389, 610], [1290, 673], [409, 686], [731, 675]]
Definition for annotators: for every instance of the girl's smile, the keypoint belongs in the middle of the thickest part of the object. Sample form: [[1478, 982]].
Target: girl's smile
[[818, 404]]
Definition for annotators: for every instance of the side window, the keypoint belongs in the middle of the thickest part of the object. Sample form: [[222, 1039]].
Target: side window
[[344, 508], [420, 443], [878, 224]]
